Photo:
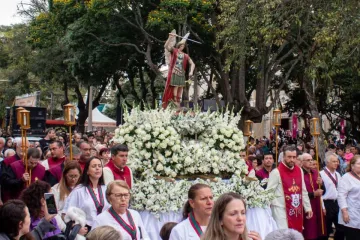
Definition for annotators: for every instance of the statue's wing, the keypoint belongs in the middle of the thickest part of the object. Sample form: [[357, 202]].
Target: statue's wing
[[171, 45]]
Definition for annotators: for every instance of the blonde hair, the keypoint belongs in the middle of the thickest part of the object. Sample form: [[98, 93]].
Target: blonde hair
[[352, 163], [111, 185], [104, 232], [214, 230]]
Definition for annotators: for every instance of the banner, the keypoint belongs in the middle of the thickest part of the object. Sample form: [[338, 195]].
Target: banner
[[342, 129], [28, 100], [294, 125]]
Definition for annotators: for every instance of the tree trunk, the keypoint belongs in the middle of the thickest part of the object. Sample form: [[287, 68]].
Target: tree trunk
[[310, 94]]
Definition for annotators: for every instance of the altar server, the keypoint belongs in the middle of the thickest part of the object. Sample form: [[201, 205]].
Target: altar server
[[290, 189], [90, 194], [197, 211], [116, 168], [331, 179], [17, 178], [348, 199], [268, 164], [127, 221]]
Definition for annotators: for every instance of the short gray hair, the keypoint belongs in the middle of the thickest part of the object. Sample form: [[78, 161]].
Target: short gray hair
[[8, 151], [284, 234], [328, 155], [75, 150], [2, 139], [302, 156]]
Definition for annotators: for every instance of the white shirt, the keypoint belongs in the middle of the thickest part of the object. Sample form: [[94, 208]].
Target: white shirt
[[109, 176], [185, 231], [59, 203], [81, 198], [278, 204], [45, 163], [349, 197], [106, 219], [331, 192]]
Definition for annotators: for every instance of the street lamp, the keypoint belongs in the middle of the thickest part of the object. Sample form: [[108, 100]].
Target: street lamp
[[24, 120], [18, 116], [69, 118], [247, 133], [277, 124]]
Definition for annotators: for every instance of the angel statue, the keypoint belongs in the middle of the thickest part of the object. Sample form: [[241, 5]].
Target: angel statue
[[177, 62]]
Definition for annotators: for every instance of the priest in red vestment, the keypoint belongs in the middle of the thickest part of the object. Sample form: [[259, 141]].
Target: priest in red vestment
[[116, 168], [315, 227], [292, 198], [18, 179]]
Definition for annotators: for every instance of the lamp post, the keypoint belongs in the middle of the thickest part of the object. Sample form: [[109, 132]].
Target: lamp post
[[247, 133], [24, 122], [69, 118], [18, 122], [277, 124], [315, 132]]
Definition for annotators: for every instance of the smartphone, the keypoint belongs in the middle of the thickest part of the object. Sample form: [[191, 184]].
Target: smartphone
[[50, 203]]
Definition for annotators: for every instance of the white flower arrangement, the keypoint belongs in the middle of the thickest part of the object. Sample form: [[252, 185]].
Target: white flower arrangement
[[160, 196], [164, 143], [185, 146]]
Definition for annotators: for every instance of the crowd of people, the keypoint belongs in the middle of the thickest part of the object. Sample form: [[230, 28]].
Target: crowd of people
[[92, 191]]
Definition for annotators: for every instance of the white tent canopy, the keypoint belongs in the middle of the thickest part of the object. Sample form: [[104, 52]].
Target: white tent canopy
[[100, 120]]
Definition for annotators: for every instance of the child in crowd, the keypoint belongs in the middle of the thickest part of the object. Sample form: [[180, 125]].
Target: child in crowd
[[348, 154]]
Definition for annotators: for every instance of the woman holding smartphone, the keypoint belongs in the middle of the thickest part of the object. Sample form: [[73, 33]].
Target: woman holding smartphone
[[89, 196]]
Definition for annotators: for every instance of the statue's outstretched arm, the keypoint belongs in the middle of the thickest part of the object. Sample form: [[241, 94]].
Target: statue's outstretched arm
[[192, 67]]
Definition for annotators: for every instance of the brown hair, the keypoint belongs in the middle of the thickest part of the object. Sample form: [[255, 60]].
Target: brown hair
[[111, 185], [63, 187], [166, 230], [192, 195], [352, 163], [214, 230]]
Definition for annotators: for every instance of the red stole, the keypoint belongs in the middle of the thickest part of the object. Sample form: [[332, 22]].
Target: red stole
[[169, 90], [37, 173], [52, 162], [120, 174], [262, 174], [82, 165], [292, 185]]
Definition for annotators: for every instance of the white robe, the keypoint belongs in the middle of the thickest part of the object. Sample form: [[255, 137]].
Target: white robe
[[80, 198], [184, 231], [278, 204], [106, 219]]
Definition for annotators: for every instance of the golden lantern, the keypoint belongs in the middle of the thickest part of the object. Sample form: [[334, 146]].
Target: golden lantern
[[69, 115], [277, 117], [18, 116], [315, 127], [25, 119], [248, 128]]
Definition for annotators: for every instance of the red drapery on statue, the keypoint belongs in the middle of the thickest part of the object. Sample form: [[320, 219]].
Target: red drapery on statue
[[169, 90]]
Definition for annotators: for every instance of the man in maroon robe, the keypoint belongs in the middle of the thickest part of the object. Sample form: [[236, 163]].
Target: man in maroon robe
[[57, 154], [268, 164], [85, 149], [315, 227], [17, 177], [116, 168], [5, 168], [53, 175]]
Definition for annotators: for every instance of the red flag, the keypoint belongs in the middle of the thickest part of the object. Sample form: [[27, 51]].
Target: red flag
[[342, 129], [294, 125]]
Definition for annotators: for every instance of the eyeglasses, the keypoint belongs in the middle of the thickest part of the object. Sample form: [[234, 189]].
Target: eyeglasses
[[308, 160], [120, 195], [73, 176]]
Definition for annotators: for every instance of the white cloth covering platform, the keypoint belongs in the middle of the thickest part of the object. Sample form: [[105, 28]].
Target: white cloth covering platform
[[257, 219]]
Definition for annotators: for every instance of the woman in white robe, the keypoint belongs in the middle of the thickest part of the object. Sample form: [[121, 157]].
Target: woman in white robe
[[197, 211], [89, 196], [127, 221]]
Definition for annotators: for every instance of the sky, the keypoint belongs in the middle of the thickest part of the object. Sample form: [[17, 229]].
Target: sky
[[8, 12]]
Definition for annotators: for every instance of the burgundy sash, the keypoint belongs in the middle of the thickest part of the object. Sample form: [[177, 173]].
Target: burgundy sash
[[335, 181], [99, 205], [130, 229], [195, 225], [292, 186]]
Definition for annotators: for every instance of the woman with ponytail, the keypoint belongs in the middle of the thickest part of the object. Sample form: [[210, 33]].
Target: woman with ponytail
[[196, 214]]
